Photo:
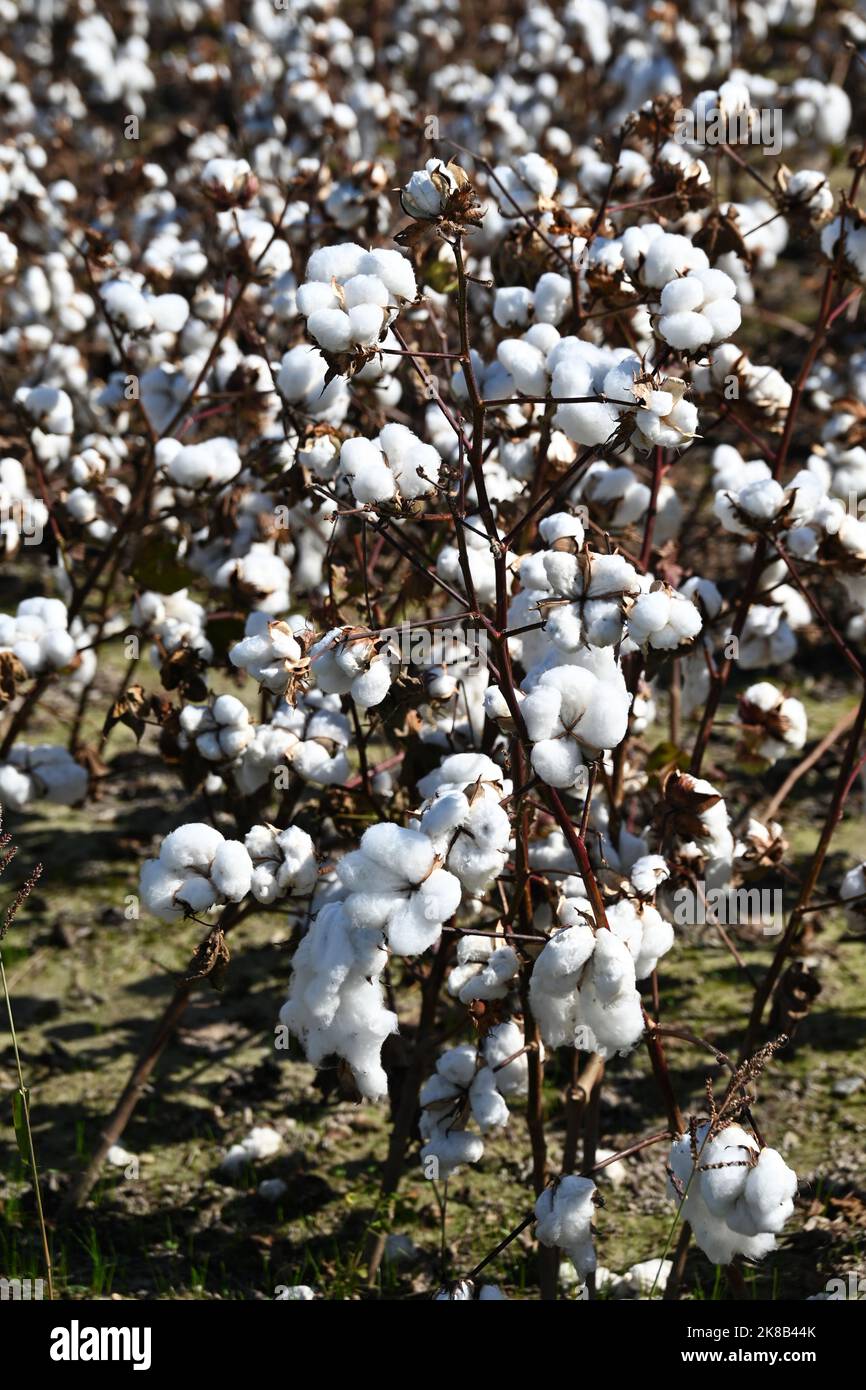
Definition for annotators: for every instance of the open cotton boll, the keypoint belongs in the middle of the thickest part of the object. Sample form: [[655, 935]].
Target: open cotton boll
[[331, 328], [503, 1042], [737, 1196], [668, 256], [489, 1110], [525, 364], [44, 772], [563, 1218], [554, 981], [852, 891], [392, 883], [772, 723], [512, 306], [336, 1001], [663, 619], [197, 869], [647, 873], [201, 465]]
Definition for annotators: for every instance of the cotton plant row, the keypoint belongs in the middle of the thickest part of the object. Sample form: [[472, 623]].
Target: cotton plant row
[[309, 393]]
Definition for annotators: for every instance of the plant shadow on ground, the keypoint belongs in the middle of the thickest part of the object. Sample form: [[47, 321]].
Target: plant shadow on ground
[[87, 986]]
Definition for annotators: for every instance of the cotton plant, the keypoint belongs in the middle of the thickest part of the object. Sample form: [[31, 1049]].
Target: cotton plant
[[270, 408], [563, 1218], [464, 818], [336, 1001], [272, 651], [468, 1086], [218, 732], [173, 621], [394, 882]]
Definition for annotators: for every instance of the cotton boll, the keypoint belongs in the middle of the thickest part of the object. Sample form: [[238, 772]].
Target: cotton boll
[[563, 1216], [331, 328], [232, 871], [525, 364], [512, 306], [488, 1107]]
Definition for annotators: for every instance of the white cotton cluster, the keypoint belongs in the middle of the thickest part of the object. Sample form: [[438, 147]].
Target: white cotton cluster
[[463, 817], [845, 237], [350, 661], [259, 576], [485, 969], [738, 1195], [173, 620], [427, 191], [23, 517], [38, 635], [351, 295], [699, 828], [663, 619], [618, 499], [284, 862], [394, 883], [270, 651], [44, 772], [301, 381], [763, 388], [228, 181], [852, 891], [336, 1002], [396, 465], [261, 1142], [193, 466], [220, 732], [563, 1218], [529, 182], [698, 310], [768, 638], [197, 869], [574, 712], [135, 310], [470, 1084], [810, 189], [311, 737], [774, 724], [752, 503], [516, 306], [50, 409], [482, 564], [580, 593], [583, 988]]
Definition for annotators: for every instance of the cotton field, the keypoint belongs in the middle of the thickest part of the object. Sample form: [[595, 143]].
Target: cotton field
[[432, 666]]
